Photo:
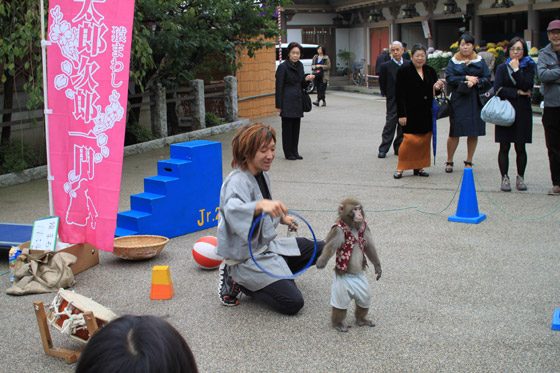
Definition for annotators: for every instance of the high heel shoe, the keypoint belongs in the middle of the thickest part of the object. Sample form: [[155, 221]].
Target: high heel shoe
[[316, 103], [421, 172], [449, 167], [398, 174]]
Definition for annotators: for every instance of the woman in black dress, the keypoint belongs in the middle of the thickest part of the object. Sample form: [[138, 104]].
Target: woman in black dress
[[467, 76], [290, 83], [515, 77]]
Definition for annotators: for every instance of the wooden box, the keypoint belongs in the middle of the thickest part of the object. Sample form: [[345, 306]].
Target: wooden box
[[87, 255]]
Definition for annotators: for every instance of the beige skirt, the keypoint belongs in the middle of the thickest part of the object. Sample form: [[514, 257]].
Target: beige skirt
[[414, 152]]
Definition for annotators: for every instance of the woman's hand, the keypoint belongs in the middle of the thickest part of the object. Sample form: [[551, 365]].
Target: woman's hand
[[471, 80], [271, 207], [524, 93], [402, 121], [438, 86], [514, 63], [309, 77], [290, 222]]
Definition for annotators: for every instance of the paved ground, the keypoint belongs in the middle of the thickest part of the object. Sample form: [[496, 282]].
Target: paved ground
[[453, 296]]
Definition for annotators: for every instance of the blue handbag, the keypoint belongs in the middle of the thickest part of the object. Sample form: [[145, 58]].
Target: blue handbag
[[498, 111]]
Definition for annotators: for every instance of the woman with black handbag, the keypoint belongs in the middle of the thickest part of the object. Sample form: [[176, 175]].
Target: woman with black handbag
[[321, 64], [515, 77], [290, 85], [467, 76]]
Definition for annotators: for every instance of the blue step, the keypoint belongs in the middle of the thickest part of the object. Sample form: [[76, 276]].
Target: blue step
[[121, 232], [146, 202], [175, 167], [160, 184], [193, 149], [131, 219]]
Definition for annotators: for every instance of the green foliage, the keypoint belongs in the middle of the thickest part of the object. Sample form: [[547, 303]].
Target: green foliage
[[174, 38], [212, 120], [438, 63], [16, 157], [136, 133], [20, 46]]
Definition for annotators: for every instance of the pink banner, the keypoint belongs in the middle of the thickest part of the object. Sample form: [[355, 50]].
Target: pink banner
[[87, 72]]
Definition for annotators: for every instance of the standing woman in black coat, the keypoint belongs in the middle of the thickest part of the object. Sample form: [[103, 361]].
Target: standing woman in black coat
[[416, 84], [515, 77], [290, 83]]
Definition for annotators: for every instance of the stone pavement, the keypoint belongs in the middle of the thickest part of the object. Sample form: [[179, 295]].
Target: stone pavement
[[453, 296]]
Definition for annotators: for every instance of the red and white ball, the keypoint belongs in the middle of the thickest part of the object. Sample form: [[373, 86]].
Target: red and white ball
[[204, 253]]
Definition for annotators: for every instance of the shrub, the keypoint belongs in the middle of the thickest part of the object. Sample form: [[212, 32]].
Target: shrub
[[212, 120], [136, 133], [17, 156]]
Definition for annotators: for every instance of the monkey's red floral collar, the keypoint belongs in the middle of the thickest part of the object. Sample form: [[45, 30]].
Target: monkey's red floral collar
[[343, 253]]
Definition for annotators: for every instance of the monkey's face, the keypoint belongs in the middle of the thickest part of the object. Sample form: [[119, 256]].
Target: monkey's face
[[357, 215], [351, 213]]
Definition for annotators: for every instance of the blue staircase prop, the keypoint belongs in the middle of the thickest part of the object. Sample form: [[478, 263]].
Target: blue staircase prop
[[467, 208], [184, 196]]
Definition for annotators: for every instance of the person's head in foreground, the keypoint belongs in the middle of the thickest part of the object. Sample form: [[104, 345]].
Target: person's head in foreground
[[140, 344]]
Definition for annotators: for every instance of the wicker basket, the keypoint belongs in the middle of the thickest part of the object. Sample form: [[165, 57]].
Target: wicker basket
[[139, 247]]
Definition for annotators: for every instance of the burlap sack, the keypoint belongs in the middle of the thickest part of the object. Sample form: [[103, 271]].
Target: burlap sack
[[42, 273]]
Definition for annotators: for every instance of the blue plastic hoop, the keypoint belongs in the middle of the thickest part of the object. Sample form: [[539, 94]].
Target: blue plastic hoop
[[279, 276]]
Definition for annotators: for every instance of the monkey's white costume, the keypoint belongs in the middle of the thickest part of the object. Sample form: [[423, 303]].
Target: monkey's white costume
[[348, 286]]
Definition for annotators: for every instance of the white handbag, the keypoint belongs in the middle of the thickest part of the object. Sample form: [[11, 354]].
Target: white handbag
[[498, 111]]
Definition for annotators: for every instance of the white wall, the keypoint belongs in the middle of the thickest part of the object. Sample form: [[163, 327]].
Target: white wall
[[342, 41], [294, 34], [357, 45], [412, 33], [312, 19]]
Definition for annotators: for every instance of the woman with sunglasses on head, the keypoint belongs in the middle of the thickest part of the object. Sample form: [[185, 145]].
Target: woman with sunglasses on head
[[515, 77]]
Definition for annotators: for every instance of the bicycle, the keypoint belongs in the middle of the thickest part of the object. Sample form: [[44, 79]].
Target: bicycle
[[357, 76]]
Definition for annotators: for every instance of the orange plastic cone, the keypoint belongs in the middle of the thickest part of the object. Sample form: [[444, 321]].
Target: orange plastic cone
[[162, 286]]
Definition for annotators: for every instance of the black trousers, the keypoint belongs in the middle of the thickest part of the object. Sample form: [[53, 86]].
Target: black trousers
[[290, 136], [321, 89], [283, 295], [391, 125], [551, 124]]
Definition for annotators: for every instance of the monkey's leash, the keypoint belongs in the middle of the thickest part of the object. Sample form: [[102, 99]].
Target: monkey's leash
[[294, 275]]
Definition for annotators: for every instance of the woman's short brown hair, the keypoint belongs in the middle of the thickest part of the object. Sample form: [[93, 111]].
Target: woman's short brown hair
[[248, 140]]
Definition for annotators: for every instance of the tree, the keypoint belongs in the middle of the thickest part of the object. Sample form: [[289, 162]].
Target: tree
[[20, 54], [176, 40]]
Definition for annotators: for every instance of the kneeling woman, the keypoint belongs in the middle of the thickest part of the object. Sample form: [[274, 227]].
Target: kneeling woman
[[415, 88], [246, 194]]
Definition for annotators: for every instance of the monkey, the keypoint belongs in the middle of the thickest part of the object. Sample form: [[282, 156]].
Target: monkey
[[351, 239]]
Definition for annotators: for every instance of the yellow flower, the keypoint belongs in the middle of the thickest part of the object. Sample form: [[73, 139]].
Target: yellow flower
[[491, 45], [534, 52], [493, 51], [499, 49], [454, 45]]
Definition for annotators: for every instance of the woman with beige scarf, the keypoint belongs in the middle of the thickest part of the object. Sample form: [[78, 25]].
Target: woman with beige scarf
[[467, 76]]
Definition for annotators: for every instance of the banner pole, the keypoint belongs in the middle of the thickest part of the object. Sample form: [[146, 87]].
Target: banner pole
[[47, 111], [280, 34]]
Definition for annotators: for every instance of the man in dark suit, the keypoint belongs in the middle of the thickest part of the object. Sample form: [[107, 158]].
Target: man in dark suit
[[387, 84], [405, 53], [383, 57]]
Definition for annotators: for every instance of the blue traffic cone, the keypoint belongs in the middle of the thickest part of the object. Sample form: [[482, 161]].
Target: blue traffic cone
[[467, 208], [556, 319]]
